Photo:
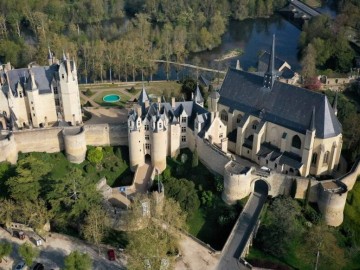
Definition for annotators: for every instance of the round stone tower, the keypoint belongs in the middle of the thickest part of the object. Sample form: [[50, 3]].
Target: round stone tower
[[8, 149], [331, 202], [159, 149], [136, 147], [75, 144], [237, 182]]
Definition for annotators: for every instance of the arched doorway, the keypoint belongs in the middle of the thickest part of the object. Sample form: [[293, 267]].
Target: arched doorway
[[147, 159], [261, 187]]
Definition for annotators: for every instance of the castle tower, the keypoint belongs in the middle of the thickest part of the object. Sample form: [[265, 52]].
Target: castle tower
[[136, 139], [159, 143], [213, 100], [69, 91]]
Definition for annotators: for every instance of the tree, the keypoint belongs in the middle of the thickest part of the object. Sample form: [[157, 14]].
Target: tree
[[95, 155], [309, 62], [78, 261], [26, 184], [96, 224], [28, 253], [158, 240], [184, 192], [280, 227], [7, 210], [195, 159], [5, 249], [321, 241]]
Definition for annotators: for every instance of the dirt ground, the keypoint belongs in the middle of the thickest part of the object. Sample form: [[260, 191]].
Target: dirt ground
[[195, 256]]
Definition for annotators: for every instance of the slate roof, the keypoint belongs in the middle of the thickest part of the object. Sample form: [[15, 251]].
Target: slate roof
[[43, 75], [198, 97], [264, 60], [286, 105]]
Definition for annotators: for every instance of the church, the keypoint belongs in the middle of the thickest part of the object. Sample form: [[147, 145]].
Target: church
[[40, 96], [288, 129]]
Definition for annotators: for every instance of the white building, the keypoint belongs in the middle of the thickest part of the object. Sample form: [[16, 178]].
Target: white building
[[40, 96]]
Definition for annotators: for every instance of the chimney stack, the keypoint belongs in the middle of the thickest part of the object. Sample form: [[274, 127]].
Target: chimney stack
[[173, 102]]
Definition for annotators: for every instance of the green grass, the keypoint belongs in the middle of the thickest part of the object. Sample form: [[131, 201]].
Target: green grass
[[121, 103], [116, 170], [204, 223]]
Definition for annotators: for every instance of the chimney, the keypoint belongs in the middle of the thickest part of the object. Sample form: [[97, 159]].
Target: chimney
[[138, 110], [159, 101], [173, 102], [147, 104], [68, 65]]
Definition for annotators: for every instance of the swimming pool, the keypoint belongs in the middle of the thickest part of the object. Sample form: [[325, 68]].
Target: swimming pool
[[111, 98]]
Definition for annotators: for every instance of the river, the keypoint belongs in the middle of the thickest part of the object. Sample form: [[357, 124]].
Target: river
[[252, 36]]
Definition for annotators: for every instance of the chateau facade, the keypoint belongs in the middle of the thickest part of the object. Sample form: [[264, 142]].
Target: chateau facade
[[40, 96], [288, 129]]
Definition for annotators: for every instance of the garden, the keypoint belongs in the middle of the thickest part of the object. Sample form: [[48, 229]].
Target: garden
[[199, 193]]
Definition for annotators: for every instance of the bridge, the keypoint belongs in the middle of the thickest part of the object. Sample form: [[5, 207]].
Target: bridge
[[301, 10]]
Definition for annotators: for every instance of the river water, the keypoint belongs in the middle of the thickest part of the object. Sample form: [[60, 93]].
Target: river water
[[251, 36]]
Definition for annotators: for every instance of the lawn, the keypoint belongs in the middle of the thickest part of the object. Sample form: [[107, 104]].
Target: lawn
[[121, 103], [205, 222]]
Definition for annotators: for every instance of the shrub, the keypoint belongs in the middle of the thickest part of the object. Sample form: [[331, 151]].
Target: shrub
[[167, 173], [90, 169], [95, 155]]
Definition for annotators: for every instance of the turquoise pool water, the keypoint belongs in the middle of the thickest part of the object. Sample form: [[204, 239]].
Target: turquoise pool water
[[111, 98]]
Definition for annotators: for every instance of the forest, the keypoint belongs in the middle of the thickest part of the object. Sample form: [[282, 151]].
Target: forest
[[118, 39]]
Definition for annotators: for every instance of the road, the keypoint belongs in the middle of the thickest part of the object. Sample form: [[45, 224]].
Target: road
[[243, 228], [56, 248]]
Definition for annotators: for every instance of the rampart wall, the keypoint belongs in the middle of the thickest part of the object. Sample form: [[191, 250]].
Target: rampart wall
[[53, 140]]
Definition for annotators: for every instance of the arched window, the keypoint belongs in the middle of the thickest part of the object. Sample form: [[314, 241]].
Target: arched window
[[314, 159], [238, 118], [224, 116], [296, 142], [254, 124], [326, 157]]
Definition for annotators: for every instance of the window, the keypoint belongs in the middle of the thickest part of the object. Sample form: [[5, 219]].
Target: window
[[183, 129], [32, 108], [55, 90], [147, 137], [238, 118], [32, 102], [254, 126], [20, 94], [62, 76], [160, 125], [57, 102], [296, 142], [275, 166], [224, 116], [183, 119], [183, 138], [146, 127], [326, 157], [314, 159], [221, 135], [33, 114], [147, 146]]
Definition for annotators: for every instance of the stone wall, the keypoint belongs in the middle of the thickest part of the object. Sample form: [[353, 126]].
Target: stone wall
[[51, 140], [214, 159]]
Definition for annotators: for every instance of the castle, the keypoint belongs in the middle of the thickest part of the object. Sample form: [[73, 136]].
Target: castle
[[40, 96], [254, 120]]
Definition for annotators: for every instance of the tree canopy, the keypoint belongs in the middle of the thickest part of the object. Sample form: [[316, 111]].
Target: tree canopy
[[77, 261], [28, 253]]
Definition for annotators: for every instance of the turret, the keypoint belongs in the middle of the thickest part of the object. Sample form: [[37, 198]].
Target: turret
[[213, 100], [50, 58], [198, 97], [136, 139]]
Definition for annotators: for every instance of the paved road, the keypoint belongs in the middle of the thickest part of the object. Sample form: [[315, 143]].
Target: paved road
[[240, 234]]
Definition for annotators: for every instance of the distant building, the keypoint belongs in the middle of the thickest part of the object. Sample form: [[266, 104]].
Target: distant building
[[40, 96]]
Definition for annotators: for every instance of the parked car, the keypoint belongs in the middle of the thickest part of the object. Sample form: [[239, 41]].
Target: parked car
[[38, 266], [21, 266], [19, 234], [111, 255]]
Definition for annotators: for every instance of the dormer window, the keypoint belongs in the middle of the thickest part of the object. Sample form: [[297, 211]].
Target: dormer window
[[55, 90], [62, 76], [20, 94], [146, 127], [183, 119], [160, 125]]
